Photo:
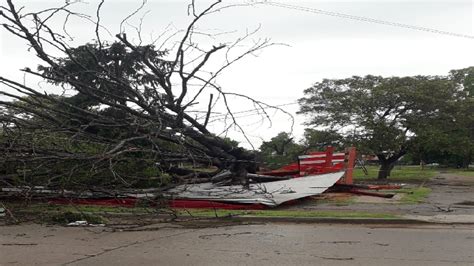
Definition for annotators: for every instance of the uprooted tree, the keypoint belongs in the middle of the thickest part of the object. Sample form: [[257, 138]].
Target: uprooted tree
[[126, 112]]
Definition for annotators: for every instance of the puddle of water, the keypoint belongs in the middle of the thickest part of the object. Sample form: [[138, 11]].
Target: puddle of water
[[467, 203]]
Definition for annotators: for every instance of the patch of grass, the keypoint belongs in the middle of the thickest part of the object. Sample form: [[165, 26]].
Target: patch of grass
[[68, 217], [45, 208], [414, 195], [48, 213], [284, 213], [105, 209], [398, 174]]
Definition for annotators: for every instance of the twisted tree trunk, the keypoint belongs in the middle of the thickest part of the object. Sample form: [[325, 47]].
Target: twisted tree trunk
[[387, 163]]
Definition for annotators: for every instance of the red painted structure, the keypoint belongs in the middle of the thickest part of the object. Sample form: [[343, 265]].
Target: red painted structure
[[317, 163]]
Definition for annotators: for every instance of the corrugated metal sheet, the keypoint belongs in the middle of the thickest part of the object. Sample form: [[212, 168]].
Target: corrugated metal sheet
[[269, 193]]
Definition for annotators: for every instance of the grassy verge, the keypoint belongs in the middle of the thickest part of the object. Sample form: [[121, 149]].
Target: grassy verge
[[63, 214], [49, 208], [69, 217], [399, 174]]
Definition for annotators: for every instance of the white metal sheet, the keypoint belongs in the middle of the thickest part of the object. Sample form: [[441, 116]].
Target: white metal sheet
[[270, 193]]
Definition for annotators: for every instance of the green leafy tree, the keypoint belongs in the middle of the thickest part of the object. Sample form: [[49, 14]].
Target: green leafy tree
[[448, 138], [462, 124], [318, 140], [382, 115], [280, 150]]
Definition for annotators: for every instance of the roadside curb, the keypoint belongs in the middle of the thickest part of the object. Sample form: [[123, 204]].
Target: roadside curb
[[314, 220], [317, 220], [286, 219]]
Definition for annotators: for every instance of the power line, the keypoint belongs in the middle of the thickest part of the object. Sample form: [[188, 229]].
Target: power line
[[365, 19], [258, 109]]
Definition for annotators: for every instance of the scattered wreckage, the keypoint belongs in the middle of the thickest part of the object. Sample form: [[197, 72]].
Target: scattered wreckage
[[311, 175], [271, 193]]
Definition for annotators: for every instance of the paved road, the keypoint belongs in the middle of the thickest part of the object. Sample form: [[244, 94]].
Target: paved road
[[258, 244]]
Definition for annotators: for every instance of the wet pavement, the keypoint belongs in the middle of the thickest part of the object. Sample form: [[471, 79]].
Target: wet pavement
[[255, 244]]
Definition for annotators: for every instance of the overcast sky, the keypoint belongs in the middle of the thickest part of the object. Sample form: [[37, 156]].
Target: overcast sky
[[316, 46]]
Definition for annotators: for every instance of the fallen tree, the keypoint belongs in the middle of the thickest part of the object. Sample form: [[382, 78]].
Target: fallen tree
[[126, 113]]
